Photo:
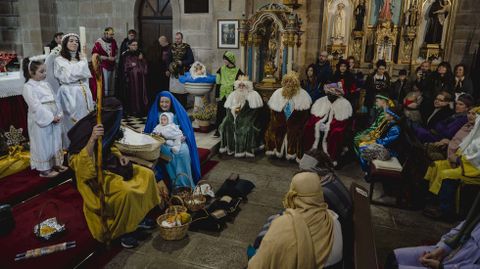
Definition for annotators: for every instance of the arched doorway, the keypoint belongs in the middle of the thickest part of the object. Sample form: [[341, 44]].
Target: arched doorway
[[155, 20]]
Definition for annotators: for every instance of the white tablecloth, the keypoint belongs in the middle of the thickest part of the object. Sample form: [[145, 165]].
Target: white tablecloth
[[12, 84]]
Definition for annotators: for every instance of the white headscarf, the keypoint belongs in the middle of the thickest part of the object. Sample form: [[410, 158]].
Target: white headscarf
[[470, 146]]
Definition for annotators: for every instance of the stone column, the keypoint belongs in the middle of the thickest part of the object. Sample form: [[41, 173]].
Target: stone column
[[30, 27]]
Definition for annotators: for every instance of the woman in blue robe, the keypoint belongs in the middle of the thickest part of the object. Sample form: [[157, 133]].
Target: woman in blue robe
[[183, 169]]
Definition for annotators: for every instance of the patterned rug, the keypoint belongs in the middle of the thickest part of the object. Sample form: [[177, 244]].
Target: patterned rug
[[136, 123]]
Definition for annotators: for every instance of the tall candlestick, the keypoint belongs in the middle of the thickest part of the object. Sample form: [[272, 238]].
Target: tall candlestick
[[83, 37]]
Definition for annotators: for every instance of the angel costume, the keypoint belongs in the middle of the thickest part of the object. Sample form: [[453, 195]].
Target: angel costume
[[329, 121], [240, 129], [45, 136], [288, 115], [170, 131], [74, 93]]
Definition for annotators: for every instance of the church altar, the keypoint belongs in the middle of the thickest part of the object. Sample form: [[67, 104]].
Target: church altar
[[12, 106], [404, 33], [11, 84], [268, 41]]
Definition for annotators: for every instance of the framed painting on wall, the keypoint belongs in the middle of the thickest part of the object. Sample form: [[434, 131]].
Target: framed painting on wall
[[227, 34]]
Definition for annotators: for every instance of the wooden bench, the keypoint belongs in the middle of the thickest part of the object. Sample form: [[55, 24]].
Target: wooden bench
[[365, 255]]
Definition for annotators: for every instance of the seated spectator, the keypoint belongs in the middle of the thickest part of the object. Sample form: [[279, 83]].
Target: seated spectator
[[464, 166], [448, 127], [442, 79], [308, 235], [311, 84], [335, 193], [456, 249], [131, 191], [463, 84], [400, 87], [447, 148], [441, 110], [411, 105]]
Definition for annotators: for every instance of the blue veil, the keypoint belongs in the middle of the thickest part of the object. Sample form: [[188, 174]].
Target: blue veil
[[185, 125]]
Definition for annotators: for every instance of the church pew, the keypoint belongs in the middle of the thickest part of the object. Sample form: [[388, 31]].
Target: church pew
[[365, 255]]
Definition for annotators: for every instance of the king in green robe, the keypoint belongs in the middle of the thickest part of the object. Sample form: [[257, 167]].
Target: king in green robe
[[240, 129]]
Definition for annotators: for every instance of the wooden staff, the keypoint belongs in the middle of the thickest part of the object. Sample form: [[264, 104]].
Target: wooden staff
[[98, 77]]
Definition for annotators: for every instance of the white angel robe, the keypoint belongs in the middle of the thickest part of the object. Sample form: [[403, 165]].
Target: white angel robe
[[74, 93], [45, 136]]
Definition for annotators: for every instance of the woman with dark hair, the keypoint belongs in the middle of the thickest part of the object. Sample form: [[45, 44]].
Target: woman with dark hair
[[130, 191], [71, 70], [135, 70], [343, 73], [463, 84], [377, 82], [311, 83], [442, 79], [184, 166]]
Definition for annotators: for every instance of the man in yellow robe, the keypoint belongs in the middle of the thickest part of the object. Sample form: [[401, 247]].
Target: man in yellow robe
[[130, 190]]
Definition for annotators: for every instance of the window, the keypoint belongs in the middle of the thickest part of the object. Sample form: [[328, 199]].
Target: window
[[196, 6]]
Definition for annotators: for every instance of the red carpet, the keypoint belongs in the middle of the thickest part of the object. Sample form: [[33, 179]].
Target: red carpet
[[208, 166], [22, 238], [25, 184], [203, 155]]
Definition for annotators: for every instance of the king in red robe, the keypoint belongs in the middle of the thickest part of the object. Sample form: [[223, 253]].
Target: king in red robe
[[328, 122]]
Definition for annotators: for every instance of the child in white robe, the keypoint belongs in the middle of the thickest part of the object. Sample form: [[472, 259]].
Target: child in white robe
[[71, 70], [44, 117], [170, 131]]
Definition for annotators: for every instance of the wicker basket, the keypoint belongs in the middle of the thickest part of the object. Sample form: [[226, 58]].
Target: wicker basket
[[192, 206], [172, 233], [196, 195], [150, 151], [176, 208]]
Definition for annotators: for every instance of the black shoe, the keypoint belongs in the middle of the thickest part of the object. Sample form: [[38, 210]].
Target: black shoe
[[128, 241], [216, 134]]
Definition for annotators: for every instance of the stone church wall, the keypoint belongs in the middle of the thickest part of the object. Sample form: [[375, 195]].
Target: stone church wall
[[28, 25]]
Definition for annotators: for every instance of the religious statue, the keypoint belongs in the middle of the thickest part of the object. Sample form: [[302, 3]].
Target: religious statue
[[437, 16], [411, 16], [339, 23], [271, 51], [359, 13], [386, 11]]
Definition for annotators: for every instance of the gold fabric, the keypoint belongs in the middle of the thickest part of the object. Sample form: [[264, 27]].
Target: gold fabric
[[127, 202], [17, 160], [441, 170], [302, 238]]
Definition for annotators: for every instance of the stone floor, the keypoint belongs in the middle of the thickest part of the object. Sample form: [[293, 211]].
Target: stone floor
[[393, 227]]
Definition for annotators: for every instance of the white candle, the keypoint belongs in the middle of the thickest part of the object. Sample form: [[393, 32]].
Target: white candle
[[46, 50], [83, 37]]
